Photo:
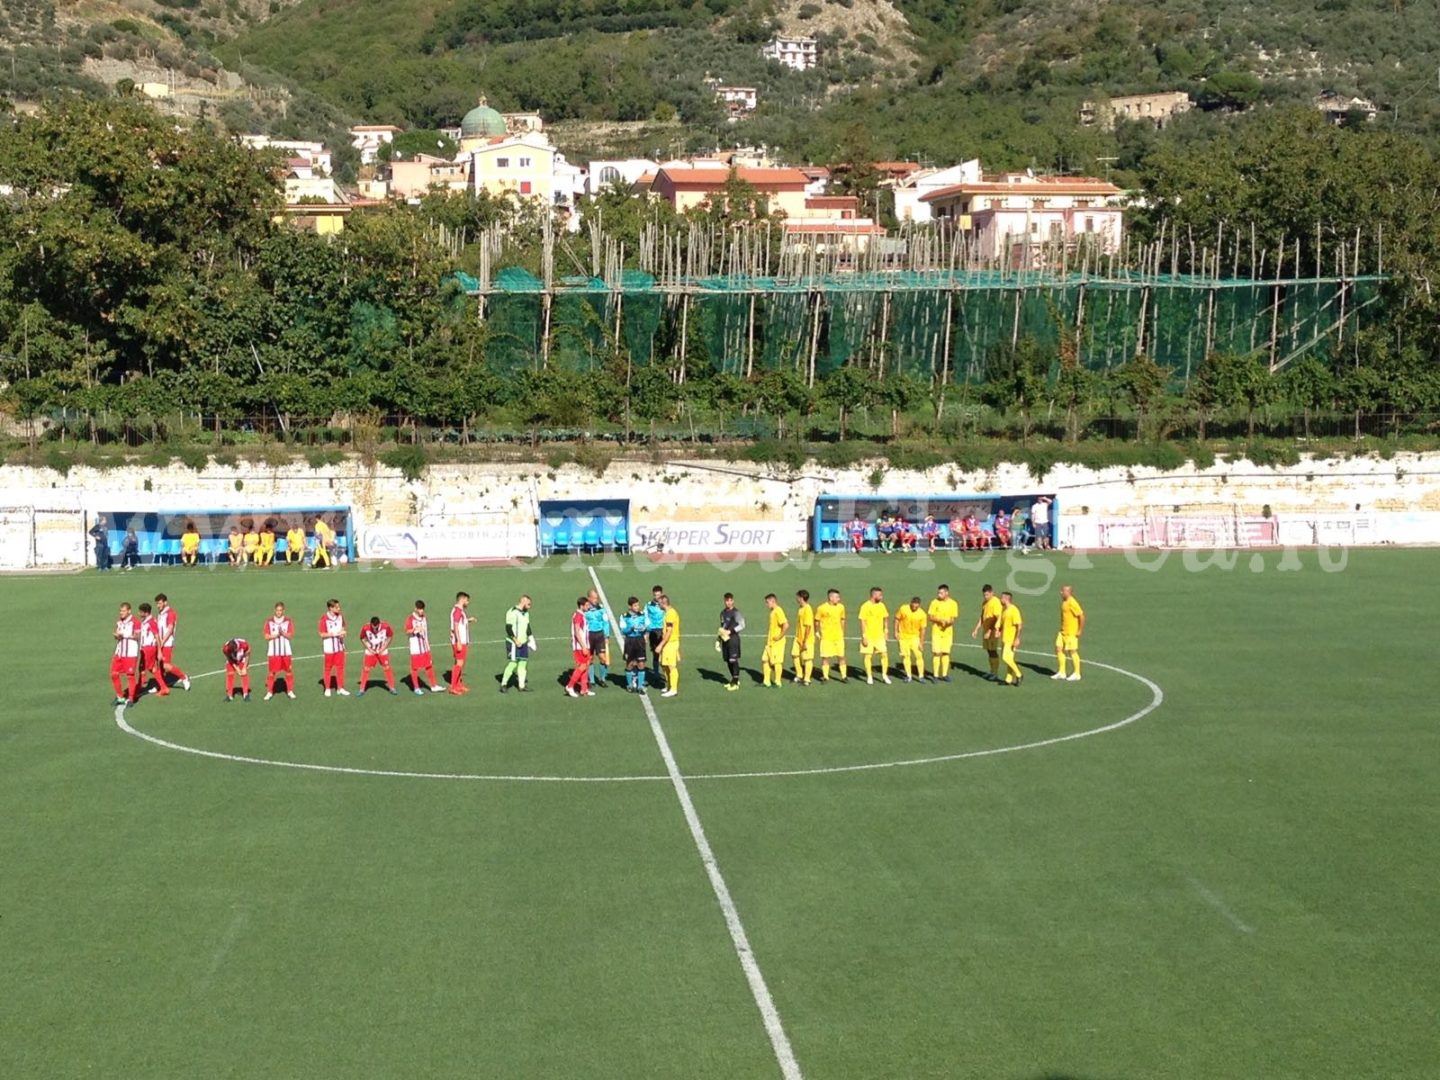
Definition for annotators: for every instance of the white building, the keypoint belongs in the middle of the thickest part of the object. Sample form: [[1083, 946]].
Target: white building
[[316, 157], [800, 53], [369, 138], [1015, 217], [622, 171], [738, 100], [910, 191]]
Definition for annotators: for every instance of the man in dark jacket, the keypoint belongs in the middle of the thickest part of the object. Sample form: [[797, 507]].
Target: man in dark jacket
[[728, 641]]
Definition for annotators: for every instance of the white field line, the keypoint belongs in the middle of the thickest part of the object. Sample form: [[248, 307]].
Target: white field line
[[1157, 698], [1220, 906], [779, 1041], [222, 950]]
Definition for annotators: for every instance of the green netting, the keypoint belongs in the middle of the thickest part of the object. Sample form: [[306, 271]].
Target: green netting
[[743, 325]]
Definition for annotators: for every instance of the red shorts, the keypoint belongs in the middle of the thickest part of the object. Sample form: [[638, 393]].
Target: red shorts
[[148, 659], [419, 661], [167, 653], [334, 660], [581, 658], [122, 665], [460, 651], [237, 669], [374, 661], [281, 663]]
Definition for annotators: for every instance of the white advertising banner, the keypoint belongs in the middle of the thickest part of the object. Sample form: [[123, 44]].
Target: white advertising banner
[[438, 543], [718, 537]]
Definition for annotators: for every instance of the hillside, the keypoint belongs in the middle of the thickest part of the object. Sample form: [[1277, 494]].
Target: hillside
[[929, 78], [104, 47]]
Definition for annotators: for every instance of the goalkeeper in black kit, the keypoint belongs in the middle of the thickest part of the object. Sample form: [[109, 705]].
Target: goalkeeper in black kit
[[728, 640]]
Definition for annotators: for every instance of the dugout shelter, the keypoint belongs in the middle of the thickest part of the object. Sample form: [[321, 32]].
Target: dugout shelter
[[584, 525], [159, 531], [834, 512]]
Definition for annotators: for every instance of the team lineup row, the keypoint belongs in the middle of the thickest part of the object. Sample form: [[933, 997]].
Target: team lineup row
[[143, 660]]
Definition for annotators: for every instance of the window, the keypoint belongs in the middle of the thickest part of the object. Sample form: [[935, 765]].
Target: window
[[609, 175], [1034, 228], [525, 187], [525, 162], [502, 163], [1089, 224]]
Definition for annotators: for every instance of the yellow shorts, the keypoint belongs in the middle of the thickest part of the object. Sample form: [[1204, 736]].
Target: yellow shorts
[[942, 642], [832, 648], [670, 655], [774, 652], [911, 645], [1067, 642], [806, 651], [881, 648], [1007, 648]]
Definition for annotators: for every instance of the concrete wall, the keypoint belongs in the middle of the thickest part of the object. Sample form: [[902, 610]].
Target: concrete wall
[[469, 495]]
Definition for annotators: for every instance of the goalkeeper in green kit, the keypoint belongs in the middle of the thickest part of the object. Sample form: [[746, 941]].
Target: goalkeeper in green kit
[[519, 644]]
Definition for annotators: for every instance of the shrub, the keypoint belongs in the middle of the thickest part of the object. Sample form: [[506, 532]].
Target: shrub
[[412, 461]]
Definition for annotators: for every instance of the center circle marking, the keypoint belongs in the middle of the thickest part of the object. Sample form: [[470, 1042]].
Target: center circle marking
[[1156, 700]]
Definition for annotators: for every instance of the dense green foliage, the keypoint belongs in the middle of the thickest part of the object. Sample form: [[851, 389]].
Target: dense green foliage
[[148, 295]]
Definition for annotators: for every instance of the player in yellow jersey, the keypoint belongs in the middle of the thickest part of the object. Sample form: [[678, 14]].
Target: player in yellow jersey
[[987, 629], [1010, 625], [804, 651], [943, 612], [830, 623], [910, 622], [295, 543], [670, 647], [772, 660], [1067, 641], [875, 635]]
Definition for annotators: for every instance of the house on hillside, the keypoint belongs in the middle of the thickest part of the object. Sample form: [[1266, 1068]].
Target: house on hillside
[[426, 173], [800, 53], [369, 138], [910, 191], [1337, 107], [1158, 109], [316, 156], [736, 100], [782, 189], [1016, 218]]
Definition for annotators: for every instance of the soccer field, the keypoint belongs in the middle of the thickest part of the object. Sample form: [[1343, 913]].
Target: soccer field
[[1214, 857]]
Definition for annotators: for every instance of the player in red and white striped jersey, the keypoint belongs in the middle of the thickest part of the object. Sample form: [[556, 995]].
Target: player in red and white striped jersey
[[237, 662], [332, 644], [580, 650], [460, 620], [166, 618], [377, 635], [150, 652], [417, 628], [127, 655], [279, 633]]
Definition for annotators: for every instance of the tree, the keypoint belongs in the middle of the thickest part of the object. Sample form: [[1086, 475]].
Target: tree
[[901, 392], [1310, 384], [1142, 382], [1015, 379], [782, 393], [847, 388]]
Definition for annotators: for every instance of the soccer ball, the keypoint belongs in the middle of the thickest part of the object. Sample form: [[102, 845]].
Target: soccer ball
[[342, 559]]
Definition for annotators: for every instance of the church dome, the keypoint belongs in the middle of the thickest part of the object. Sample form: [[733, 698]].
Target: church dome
[[481, 122]]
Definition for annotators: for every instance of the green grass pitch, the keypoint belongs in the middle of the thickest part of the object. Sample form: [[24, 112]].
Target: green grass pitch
[[1240, 883]]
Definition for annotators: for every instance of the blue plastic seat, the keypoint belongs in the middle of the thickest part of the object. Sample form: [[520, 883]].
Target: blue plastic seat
[[607, 537], [622, 539], [562, 539], [592, 539]]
